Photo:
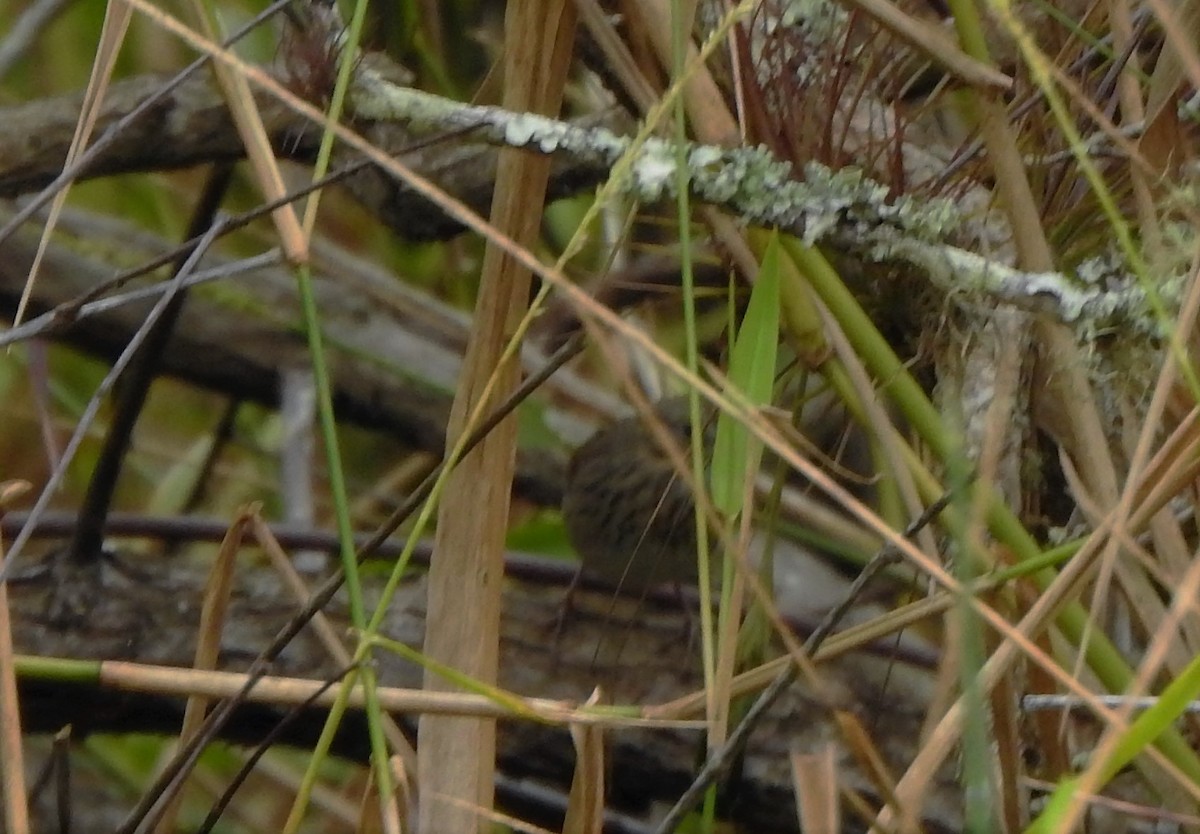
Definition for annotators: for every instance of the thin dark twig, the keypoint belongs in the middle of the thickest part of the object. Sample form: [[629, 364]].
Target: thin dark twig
[[55, 319], [67, 310], [181, 764], [235, 222], [720, 759], [276, 732], [222, 435]]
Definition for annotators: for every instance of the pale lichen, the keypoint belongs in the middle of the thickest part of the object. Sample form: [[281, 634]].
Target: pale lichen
[[653, 171]]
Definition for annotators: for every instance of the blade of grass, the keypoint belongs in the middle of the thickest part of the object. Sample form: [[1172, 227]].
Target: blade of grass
[[681, 42], [737, 456], [752, 373]]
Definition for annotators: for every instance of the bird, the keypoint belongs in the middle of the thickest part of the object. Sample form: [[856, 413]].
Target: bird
[[630, 516], [628, 511]]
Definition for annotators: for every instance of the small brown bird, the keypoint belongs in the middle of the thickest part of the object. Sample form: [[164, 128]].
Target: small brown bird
[[628, 512], [630, 516]]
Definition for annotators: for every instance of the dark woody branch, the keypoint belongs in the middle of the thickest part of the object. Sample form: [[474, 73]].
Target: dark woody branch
[[191, 126]]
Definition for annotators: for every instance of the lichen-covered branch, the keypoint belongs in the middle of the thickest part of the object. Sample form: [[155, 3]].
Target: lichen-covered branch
[[748, 181], [844, 208]]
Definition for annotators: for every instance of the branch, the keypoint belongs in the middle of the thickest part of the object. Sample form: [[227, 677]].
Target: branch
[[846, 209], [191, 126], [843, 208]]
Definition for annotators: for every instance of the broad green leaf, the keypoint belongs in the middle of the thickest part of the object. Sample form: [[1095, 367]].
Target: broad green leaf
[[752, 372]]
